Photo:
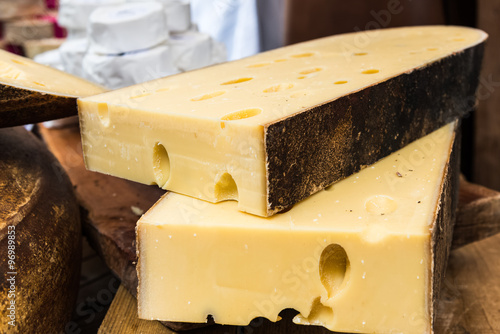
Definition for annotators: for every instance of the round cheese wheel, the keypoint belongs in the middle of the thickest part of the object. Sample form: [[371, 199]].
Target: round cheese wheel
[[127, 27], [40, 237]]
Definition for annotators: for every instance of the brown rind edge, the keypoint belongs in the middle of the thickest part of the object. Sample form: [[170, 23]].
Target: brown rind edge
[[446, 215], [38, 199], [323, 145], [19, 106]]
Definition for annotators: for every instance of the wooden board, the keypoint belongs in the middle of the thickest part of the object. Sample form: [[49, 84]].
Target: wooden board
[[110, 227]]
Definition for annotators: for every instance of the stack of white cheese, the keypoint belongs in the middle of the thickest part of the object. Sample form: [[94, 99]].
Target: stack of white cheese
[[118, 43]]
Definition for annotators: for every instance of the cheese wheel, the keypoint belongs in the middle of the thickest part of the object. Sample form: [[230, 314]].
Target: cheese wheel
[[40, 234], [117, 71], [72, 52], [191, 50], [74, 14], [127, 27]]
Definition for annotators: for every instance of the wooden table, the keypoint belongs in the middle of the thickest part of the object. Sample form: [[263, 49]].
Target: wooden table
[[471, 291]]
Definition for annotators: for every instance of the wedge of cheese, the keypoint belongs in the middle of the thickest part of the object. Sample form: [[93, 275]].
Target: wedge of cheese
[[31, 92], [272, 129], [366, 255]]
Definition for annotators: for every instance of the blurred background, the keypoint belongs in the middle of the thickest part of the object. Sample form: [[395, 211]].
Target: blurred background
[[185, 35]]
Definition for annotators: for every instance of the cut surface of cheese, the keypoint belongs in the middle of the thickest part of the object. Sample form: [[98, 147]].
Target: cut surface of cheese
[[272, 129], [376, 243], [31, 92]]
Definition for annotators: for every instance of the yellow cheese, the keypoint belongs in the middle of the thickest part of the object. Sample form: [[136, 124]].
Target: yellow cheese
[[272, 129], [23, 73], [357, 257]]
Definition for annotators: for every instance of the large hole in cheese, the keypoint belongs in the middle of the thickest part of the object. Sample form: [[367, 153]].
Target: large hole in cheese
[[320, 314], [161, 164], [240, 114], [334, 268], [225, 188], [103, 112]]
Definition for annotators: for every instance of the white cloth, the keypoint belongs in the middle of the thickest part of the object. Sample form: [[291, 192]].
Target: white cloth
[[233, 22]]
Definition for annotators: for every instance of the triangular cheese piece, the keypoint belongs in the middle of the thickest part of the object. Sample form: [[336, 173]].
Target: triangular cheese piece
[[31, 92], [272, 129], [366, 255]]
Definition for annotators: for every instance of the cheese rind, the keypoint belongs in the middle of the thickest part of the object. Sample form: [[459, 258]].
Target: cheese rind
[[286, 123], [376, 242], [31, 92]]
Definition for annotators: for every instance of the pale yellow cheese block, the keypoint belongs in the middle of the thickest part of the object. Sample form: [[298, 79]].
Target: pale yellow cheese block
[[271, 129], [31, 92], [24, 73], [357, 257]]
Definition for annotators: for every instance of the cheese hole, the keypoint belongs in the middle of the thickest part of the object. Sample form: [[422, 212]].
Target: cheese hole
[[303, 55], [334, 268], [163, 89], [258, 65], [459, 39], [237, 81], [432, 49], [38, 83], [361, 53], [280, 60], [341, 82], [18, 62], [373, 71], [103, 112], [242, 114], [301, 77], [161, 165], [141, 95], [278, 88], [311, 70], [208, 96], [225, 188], [381, 205], [319, 314]]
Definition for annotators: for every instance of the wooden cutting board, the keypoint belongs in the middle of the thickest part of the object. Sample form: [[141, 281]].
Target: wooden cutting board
[[470, 300]]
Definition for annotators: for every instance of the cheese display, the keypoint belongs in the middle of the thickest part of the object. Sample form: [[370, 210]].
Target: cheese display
[[272, 129], [31, 92], [376, 242], [40, 238], [127, 27]]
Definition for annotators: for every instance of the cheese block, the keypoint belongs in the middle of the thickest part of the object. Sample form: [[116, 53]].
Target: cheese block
[[272, 129], [19, 31], [35, 47], [31, 92], [40, 238], [366, 255], [10, 9]]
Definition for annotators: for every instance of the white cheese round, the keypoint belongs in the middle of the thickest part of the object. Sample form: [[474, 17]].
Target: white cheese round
[[178, 15], [191, 50], [72, 53], [127, 27], [117, 71], [74, 14]]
